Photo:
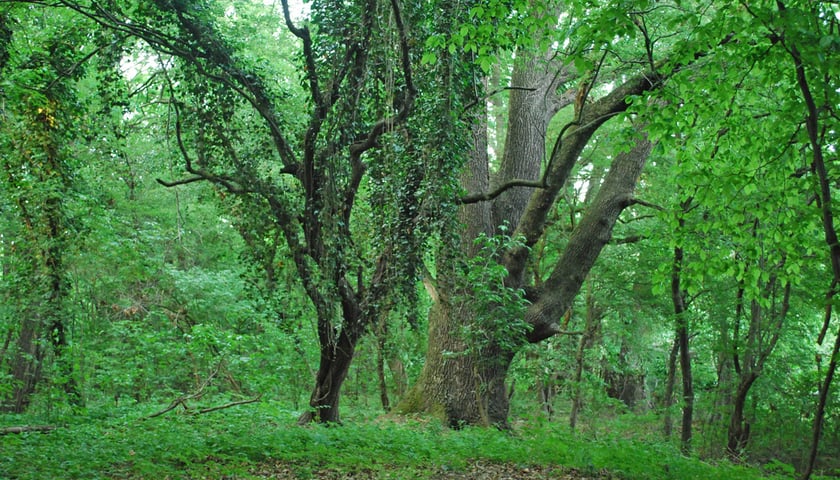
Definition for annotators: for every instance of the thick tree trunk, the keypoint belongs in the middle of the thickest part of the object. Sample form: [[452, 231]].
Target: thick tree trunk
[[478, 378], [588, 239], [332, 371], [458, 384], [456, 373], [532, 106]]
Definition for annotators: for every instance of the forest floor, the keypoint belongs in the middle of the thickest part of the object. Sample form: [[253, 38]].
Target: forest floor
[[475, 470], [263, 441]]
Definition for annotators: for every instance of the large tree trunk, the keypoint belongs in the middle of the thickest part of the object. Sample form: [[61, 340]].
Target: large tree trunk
[[462, 384], [532, 105], [441, 386], [458, 384]]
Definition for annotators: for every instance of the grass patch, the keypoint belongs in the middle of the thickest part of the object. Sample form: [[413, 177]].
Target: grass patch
[[249, 441]]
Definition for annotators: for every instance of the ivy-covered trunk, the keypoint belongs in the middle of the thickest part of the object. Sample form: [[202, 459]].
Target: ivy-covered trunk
[[36, 176]]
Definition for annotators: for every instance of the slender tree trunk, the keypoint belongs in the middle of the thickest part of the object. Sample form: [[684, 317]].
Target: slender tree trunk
[[682, 332], [381, 337], [670, 383], [819, 415], [593, 324], [739, 428], [688, 387], [815, 139]]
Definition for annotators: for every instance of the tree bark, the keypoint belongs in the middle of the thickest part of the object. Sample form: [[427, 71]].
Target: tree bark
[[458, 384], [532, 105], [588, 239], [469, 387]]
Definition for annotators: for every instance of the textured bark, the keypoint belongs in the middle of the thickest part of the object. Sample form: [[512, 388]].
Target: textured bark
[[588, 239], [563, 157], [448, 381], [739, 428], [458, 384], [533, 104], [332, 371]]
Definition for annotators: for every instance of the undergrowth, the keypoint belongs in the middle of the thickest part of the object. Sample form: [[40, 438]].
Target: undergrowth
[[230, 443]]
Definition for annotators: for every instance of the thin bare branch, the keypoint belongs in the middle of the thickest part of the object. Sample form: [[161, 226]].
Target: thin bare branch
[[228, 405]]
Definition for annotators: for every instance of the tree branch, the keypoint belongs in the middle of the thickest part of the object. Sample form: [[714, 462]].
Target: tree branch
[[388, 123], [183, 181], [228, 405], [483, 197], [495, 92]]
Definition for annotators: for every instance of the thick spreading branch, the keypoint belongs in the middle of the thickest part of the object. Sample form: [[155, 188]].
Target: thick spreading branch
[[588, 239], [204, 50]]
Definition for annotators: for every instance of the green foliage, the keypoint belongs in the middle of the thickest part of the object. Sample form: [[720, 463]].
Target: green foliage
[[242, 441], [496, 309], [164, 288]]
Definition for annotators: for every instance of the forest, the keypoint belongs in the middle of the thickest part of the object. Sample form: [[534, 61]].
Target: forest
[[386, 239]]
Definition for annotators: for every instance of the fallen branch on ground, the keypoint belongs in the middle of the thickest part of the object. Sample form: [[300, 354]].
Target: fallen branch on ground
[[26, 428]]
